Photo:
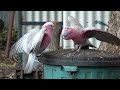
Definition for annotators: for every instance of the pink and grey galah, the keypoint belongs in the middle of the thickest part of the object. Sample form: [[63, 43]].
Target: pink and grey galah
[[33, 43], [81, 37], [75, 24]]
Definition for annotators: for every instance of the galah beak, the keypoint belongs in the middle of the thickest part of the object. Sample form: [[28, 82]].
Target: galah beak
[[66, 31]]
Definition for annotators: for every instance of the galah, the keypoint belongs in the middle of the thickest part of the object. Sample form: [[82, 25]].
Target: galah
[[81, 37], [75, 24], [33, 43]]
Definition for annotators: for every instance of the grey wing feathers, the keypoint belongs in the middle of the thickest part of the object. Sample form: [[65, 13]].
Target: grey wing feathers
[[18, 46], [74, 22], [103, 36], [38, 37]]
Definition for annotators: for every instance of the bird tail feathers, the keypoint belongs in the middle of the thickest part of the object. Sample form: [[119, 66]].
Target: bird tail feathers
[[30, 63]]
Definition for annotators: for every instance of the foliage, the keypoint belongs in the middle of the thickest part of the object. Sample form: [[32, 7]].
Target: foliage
[[3, 36]]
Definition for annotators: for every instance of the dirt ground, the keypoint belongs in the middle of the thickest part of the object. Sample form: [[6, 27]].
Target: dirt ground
[[7, 66]]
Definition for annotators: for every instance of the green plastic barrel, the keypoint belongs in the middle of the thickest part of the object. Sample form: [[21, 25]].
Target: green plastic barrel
[[87, 64]]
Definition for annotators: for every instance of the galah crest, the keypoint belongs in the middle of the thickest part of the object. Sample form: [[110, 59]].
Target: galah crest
[[75, 24], [33, 43], [81, 37]]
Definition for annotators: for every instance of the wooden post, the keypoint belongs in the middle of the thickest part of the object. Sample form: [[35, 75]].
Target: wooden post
[[9, 34], [54, 44]]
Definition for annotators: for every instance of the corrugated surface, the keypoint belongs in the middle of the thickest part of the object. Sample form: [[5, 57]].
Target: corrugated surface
[[38, 16], [86, 18], [5, 16]]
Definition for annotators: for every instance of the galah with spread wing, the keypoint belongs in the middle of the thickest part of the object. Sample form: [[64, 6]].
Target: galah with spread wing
[[81, 37], [75, 24], [33, 43]]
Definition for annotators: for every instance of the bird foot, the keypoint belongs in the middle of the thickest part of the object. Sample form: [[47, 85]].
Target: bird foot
[[39, 55], [74, 50], [78, 50]]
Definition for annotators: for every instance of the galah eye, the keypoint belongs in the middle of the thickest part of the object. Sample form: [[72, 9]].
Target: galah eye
[[66, 31], [51, 25]]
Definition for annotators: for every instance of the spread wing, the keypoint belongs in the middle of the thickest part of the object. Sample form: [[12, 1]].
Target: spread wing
[[78, 26], [102, 36], [74, 23], [37, 39], [21, 45]]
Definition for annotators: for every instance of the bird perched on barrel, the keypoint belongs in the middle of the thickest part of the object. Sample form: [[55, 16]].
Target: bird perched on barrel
[[75, 24], [33, 43], [81, 37]]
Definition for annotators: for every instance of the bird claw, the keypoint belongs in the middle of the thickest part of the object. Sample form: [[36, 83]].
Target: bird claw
[[73, 50], [39, 55], [78, 50]]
